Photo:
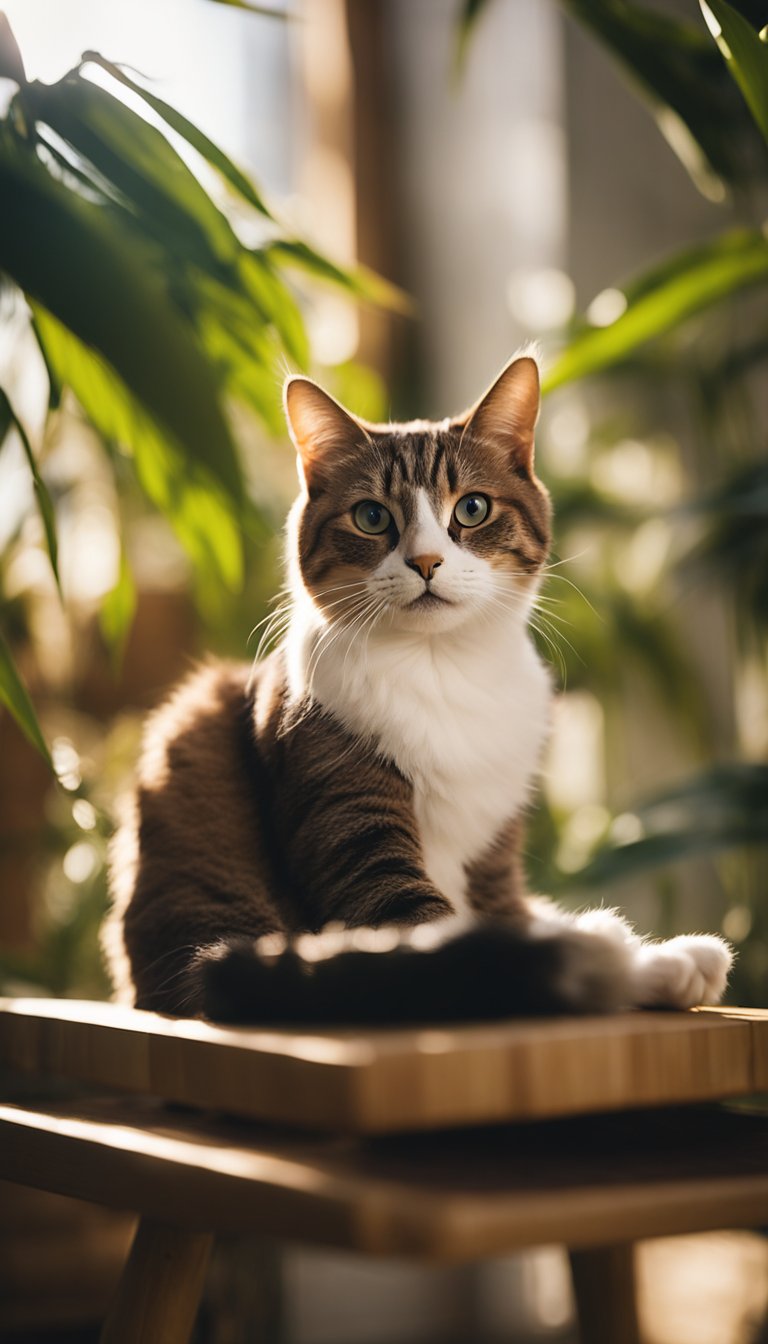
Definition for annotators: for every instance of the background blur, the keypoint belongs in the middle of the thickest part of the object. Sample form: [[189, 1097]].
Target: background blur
[[591, 175]]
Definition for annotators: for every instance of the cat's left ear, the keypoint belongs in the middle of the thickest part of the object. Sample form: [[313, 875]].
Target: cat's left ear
[[321, 429], [506, 416]]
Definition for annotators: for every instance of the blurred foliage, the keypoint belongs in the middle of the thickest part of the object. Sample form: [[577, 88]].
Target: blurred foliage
[[15, 697], [669, 330], [745, 53], [734, 547], [659, 301], [163, 300], [720, 535], [722, 808], [675, 67], [150, 309], [268, 11]]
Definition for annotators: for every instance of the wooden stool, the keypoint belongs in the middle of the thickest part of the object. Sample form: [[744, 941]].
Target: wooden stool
[[435, 1145]]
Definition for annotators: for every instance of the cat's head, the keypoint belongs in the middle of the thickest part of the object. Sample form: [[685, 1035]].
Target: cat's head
[[425, 524]]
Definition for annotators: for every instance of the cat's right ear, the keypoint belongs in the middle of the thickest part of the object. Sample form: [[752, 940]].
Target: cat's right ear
[[322, 431]]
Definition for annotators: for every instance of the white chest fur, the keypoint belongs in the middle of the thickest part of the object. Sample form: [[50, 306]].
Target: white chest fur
[[464, 722]]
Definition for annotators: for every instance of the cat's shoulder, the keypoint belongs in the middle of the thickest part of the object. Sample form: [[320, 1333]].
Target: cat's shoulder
[[209, 688], [197, 717]]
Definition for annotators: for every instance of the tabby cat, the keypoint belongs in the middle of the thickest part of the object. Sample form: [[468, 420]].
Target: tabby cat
[[372, 773]]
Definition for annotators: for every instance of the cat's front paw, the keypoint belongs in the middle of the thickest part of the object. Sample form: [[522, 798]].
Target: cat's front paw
[[682, 973]]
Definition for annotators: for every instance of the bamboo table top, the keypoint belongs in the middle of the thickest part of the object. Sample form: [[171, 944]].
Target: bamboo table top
[[586, 1182], [382, 1081]]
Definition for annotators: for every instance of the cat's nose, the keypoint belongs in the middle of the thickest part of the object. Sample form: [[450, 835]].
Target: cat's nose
[[425, 564]]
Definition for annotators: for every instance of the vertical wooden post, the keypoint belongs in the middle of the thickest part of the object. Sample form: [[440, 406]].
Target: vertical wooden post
[[160, 1288], [606, 1298], [375, 164]]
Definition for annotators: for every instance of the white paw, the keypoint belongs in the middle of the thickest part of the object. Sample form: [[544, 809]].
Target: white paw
[[682, 973]]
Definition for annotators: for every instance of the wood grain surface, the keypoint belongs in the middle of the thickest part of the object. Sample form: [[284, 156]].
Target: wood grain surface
[[383, 1081], [586, 1182], [159, 1292]]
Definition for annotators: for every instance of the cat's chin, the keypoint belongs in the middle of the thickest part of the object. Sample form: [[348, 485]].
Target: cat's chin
[[429, 614]]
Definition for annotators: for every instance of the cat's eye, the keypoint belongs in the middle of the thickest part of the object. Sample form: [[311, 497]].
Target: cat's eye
[[371, 517], [471, 510]]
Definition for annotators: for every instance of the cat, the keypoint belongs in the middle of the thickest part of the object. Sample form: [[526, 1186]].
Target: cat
[[362, 790]]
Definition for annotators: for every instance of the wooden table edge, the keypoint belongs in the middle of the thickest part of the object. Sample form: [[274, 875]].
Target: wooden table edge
[[362, 1211]]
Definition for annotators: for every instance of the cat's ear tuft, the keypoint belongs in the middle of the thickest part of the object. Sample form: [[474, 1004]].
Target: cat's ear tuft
[[506, 416], [321, 429]]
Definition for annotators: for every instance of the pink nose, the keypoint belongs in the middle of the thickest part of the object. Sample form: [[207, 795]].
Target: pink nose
[[425, 564]]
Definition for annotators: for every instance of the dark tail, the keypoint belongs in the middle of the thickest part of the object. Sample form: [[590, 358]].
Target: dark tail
[[492, 971]]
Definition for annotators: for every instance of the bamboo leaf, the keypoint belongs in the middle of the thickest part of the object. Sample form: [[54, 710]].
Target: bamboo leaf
[[664, 298], [670, 61], [194, 503], [137, 159], [723, 808], [114, 298], [266, 288], [11, 64], [734, 548], [242, 346], [470, 12], [266, 11], [6, 417], [118, 609], [358, 280], [15, 696], [189, 132], [44, 503], [744, 54]]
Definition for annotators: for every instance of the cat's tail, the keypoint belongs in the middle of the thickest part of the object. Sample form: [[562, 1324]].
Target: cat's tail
[[372, 977]]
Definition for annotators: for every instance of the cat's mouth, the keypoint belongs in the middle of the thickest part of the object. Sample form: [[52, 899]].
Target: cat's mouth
[[427, 600]]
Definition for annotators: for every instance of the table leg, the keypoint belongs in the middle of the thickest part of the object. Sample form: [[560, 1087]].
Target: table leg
[[160, 1288], [606, 1298]]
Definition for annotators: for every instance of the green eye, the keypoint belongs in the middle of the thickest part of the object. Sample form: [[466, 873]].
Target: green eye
[[371, 517], [471, 510]]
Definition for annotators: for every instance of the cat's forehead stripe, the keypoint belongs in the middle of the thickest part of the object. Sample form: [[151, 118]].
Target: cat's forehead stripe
[[421, 460]]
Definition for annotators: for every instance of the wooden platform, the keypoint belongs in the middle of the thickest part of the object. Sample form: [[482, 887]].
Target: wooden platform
[[385, 1081], [439, 1197]]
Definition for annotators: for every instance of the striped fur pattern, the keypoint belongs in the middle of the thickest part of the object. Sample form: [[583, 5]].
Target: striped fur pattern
[[373, 771]]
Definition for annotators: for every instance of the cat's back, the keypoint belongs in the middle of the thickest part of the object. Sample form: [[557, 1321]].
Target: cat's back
[[192, 836], [195, 738]]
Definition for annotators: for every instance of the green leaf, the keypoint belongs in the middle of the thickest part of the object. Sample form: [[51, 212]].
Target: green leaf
[[723, 808], [9, 417], [744, 54], [266, 11], [11, 64], [15, 696], [665, 297], [189, 132], [755, 11], [273, 297], [469, 14], [118, 609], [242, 346], [359, 281], [112, 294], [734, 548], [183, 490], [6, 417], [671, 62], [136, 158]]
